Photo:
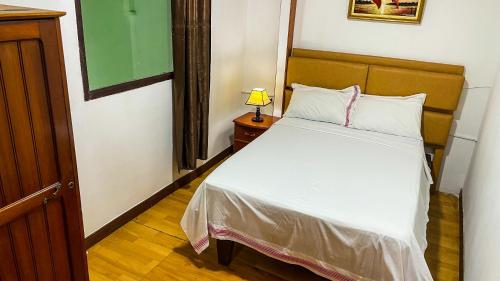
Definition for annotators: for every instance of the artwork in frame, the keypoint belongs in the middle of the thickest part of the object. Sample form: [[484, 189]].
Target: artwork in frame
[[387, 10]]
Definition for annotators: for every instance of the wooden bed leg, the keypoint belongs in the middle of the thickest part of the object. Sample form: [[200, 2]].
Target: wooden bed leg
[[225, 251]]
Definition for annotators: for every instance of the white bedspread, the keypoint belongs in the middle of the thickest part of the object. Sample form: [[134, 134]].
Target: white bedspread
[[344, 203]]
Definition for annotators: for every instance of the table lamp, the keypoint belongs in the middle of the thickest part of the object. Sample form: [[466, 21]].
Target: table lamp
[[258, 97]]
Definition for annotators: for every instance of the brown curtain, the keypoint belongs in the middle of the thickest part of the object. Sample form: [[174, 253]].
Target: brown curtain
[[191, 86]]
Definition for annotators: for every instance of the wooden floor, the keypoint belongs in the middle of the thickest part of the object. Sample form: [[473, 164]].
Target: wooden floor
[[153, 247]]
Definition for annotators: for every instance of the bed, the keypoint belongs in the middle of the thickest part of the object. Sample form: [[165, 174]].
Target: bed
[[347, 204]]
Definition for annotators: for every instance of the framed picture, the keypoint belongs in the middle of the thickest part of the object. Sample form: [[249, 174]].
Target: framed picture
[[387, 10]]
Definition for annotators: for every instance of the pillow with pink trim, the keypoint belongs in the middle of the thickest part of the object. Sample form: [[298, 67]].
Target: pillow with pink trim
[[320, 104]]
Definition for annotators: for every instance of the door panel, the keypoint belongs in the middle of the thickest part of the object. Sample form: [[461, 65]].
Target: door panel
[[11, 188], [57, 233], [34, 245], [50, 35], [45, 147], [8, 267], [38, 103], [25, 153]]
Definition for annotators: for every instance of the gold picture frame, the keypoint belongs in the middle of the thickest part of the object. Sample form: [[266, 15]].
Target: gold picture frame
[[407, 11]]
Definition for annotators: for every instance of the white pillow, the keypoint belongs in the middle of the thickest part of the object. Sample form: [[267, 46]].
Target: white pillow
[[320, 104], [399, 116], [346, 90]]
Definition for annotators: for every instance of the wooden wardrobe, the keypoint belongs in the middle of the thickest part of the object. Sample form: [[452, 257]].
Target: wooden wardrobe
[[41, 231]]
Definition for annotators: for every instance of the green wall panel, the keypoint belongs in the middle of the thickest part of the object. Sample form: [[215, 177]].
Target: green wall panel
[[126, 40]]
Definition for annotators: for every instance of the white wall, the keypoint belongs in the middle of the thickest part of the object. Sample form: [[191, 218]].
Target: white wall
[[261, 48], [124, 142], [228, 52], [282, 55], [261, 44], [449, 33], [481, 200], [257, 57]]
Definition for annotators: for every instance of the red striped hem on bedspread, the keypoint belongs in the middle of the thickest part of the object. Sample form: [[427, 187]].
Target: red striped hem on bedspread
[[226, 233]]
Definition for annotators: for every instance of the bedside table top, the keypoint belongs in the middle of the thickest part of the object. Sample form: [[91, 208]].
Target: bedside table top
[[246, 120]]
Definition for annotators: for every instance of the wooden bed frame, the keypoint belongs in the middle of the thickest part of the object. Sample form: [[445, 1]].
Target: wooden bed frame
[[443, 84]]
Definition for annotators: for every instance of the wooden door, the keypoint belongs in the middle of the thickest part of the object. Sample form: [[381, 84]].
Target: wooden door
[[41, 233]]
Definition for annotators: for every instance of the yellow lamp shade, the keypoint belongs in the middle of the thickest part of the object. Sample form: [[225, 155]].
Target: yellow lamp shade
[[258, 97]]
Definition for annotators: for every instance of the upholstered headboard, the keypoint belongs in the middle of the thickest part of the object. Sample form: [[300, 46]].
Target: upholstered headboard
[[442, 83]]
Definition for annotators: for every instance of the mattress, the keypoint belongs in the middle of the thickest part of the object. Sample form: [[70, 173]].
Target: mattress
[[346, 204]]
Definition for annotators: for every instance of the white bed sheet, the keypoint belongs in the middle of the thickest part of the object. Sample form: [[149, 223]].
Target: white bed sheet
[[345, 203]]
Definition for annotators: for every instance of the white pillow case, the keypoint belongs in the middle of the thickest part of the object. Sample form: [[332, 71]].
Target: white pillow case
[[347, 90], [401, 116], [320, 104]]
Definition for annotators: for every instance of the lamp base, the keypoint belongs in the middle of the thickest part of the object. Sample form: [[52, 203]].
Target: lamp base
[[257, 117]]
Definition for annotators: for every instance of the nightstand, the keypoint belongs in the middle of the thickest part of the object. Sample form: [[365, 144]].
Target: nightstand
[[245, 130]]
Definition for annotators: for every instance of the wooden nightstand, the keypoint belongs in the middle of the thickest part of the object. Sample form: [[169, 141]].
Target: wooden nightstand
[[245, 130]]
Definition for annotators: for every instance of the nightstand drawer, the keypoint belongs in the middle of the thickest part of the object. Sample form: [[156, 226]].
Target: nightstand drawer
[[246, 133], [246, 130]]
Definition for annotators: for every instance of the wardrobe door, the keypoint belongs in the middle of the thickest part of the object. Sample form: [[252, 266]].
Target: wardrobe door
[[41, 235]]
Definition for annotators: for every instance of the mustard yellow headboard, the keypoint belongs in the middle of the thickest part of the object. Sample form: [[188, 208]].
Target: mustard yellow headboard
[[442, 83]]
